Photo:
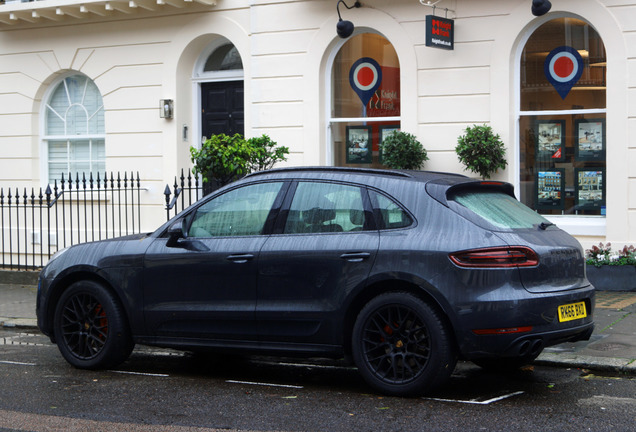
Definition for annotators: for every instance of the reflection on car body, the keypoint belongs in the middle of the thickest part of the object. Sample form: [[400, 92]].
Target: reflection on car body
[[404, 273]]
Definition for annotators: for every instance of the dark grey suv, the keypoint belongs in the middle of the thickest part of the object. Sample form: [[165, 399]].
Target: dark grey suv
[[402, 272]]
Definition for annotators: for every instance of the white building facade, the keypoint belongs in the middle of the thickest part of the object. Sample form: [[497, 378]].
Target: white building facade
[[81, 85]]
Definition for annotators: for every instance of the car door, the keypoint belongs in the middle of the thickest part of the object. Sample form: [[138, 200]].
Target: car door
[[204, 285], [325, 247]]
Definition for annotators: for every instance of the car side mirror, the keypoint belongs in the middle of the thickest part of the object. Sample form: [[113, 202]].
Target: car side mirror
[[176, 232]]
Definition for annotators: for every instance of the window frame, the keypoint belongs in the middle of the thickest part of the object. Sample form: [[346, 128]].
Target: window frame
[[573, 224], [330, 119], [46, 137]]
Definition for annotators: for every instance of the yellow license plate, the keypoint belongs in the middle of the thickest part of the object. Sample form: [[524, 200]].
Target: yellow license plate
[[572, 311]]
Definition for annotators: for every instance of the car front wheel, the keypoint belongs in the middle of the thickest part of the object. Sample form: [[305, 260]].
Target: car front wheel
[[402, 346], [90, 327]]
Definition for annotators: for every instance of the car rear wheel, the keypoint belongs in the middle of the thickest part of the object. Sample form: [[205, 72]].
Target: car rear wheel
[[90, 327], [402, 346]]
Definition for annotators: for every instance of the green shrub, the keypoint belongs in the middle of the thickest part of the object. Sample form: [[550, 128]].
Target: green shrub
[[266, 154], [481, 151], [223, 159], [401, 150]]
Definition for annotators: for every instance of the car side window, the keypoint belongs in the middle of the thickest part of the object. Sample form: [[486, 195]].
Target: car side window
[[389, 213], [325, 207], [239, 212]]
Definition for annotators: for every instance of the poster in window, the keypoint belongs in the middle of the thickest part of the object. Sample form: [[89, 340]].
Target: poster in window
[[590, 189], [550, 186], [590, 139], [385, 131], [550, 136], [359, 145]]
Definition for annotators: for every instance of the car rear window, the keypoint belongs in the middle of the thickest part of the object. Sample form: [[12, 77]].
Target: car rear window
[[498, 208]]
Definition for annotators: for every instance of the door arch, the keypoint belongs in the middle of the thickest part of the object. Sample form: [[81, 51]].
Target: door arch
[[219, 75]]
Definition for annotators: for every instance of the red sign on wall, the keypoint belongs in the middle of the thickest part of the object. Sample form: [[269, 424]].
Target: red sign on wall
[[440, 32]]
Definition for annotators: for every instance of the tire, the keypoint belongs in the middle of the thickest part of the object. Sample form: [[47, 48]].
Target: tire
[[401, 345], [91, 328]]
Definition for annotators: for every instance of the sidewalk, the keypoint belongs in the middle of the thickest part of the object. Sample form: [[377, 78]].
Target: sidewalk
[[611, 348]]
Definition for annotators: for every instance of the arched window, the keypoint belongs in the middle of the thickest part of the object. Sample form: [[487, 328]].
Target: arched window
[[220, 60], [562, 119], [74, 128], [365, 99], [225, 57]]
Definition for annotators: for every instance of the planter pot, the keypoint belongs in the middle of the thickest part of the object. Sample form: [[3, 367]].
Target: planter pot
[[612, 278]]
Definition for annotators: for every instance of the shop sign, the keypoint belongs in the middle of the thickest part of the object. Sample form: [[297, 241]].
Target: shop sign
[[440, 32], [365, 76], [563, 68]]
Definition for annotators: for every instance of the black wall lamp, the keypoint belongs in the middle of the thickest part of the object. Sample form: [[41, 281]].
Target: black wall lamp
[[540, 7], [345, 28]]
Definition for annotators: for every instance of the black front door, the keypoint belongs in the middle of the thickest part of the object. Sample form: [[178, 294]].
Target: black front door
[[222, 108]]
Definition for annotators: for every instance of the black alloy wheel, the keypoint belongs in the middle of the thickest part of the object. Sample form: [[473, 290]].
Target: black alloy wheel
[[90, 327], [402, 346]]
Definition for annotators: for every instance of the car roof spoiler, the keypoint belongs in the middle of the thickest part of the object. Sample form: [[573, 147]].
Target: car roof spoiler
[[441, 189]]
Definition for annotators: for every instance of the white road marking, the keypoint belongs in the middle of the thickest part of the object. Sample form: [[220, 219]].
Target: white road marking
[[263, 384], [308, 365], [16, 363], [139, 373], [476, 402]]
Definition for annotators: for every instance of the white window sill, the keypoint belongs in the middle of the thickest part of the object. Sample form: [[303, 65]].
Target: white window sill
[[580, 225]]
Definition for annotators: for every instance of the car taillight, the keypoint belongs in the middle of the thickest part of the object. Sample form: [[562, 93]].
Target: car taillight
[[498, 257]]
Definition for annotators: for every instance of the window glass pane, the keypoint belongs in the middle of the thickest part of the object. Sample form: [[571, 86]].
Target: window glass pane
[[391, 215], [98, 150], [54, 123], [75, 108], [325, 207], [225, 57], [57, 170], [556, 151], [383, 98], [80, 150], [537, 93], [238, 212], [365, 82], [80, 167], [563, 157], [500, 209], [76, 121]]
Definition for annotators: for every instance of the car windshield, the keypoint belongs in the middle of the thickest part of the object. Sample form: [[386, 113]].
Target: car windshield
[[498, 208]]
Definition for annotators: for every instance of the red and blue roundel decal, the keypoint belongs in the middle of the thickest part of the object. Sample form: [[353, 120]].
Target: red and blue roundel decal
[[563, 68], [365, 76]]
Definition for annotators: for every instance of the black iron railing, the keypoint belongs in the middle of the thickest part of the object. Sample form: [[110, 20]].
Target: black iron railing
[[186, 191], [36, 225]]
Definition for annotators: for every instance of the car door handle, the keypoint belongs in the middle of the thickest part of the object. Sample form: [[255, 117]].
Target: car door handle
[[240, 258], [355, 256]]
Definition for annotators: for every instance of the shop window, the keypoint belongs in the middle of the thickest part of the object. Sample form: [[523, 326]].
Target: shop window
[[365, 99], [562, 120], [74, 129]]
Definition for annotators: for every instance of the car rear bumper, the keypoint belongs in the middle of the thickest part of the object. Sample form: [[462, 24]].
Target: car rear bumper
[[522, 327]]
